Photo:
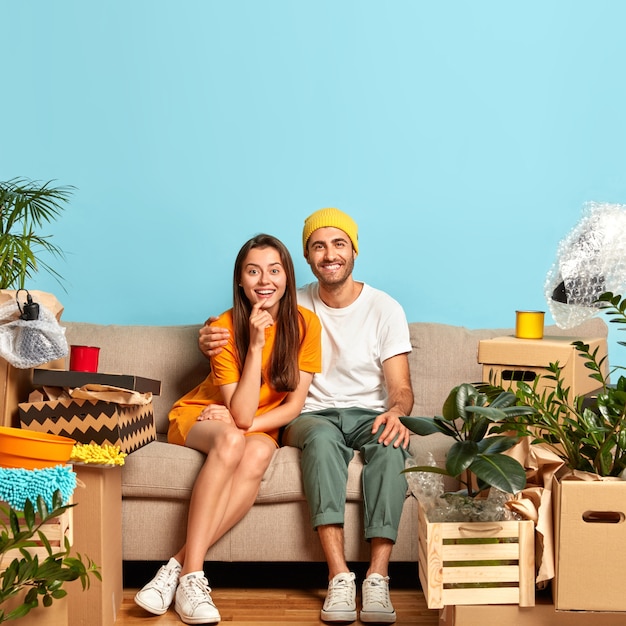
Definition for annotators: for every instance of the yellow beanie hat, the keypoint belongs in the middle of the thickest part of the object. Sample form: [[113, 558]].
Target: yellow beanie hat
[[330, 217]]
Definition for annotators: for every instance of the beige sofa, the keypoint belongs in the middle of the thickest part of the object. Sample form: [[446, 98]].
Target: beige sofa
[[158, 478]]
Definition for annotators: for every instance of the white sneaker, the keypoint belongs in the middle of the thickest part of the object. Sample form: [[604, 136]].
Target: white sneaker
[[377, 605], [156, 596], [194, 604], [340, 603]]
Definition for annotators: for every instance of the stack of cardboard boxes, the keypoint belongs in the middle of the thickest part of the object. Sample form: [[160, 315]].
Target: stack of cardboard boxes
[[589, 516], [97, 518], [98, 514]]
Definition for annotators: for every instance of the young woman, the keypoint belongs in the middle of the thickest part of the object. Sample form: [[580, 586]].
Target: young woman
[[257, 384]]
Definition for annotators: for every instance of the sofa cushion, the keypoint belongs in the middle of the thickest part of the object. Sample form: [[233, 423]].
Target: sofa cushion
[[166, 471], [148, 473]]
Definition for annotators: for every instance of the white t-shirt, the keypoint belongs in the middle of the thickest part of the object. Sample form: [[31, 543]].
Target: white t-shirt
[[355, 341]]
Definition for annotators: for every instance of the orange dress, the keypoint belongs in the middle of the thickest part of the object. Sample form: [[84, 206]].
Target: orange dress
[[225, 370]]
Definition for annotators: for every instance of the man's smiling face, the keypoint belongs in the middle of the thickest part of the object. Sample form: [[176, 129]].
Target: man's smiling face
[[330, 255]]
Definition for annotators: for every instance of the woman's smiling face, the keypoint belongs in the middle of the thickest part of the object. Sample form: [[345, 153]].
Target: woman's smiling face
[[263, 278]]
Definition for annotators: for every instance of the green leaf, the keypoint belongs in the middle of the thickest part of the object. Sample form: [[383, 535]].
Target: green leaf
[[518, 411], [497, 444], [460, 456], [500, 471], [29, 514], [479, 429], [488, 412], [19, 611], [506, 398], [421, 425], [14, 522], [42, 508], [425, 468], [466, 395], [44, 540], [449, 410]]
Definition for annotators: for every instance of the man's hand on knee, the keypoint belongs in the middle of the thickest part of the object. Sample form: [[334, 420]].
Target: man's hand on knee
[[394, 430]]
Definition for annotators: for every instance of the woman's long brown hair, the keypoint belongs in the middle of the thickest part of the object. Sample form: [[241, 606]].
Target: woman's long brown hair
[[282, 372]]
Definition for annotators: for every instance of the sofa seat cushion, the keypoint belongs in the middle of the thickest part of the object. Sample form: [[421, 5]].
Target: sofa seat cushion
[[166, 471], [161, 470]]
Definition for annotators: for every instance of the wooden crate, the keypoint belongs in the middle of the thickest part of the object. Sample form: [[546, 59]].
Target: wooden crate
[[56, 530], [476, 562]]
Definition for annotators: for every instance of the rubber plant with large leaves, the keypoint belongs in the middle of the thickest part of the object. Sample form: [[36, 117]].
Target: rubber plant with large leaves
[[476, 458]]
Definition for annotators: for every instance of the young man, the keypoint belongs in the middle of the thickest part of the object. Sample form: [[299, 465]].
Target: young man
[[354, 404]]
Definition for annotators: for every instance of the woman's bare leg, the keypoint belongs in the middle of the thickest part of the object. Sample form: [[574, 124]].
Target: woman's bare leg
[[246, 481], [224, 446], [237, 497]]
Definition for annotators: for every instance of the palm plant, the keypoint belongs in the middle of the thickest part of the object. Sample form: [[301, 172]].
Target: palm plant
[[25, 206]]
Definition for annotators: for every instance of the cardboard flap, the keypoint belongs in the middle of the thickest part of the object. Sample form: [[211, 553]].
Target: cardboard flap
[[530, 352]]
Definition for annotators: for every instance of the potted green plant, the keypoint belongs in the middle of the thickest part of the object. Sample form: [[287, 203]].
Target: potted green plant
[[476, 555], [38, 579], [25, 206], [476, 458]]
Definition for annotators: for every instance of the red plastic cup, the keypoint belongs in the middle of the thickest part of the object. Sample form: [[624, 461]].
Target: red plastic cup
[[84, 358]]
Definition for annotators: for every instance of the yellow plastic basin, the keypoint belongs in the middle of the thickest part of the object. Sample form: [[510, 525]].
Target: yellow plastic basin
[[33, 450]]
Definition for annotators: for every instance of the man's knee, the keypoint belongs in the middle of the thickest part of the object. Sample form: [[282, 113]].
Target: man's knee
[[309, 431]]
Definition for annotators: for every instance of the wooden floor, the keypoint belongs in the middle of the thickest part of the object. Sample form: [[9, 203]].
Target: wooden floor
[[284, 607]]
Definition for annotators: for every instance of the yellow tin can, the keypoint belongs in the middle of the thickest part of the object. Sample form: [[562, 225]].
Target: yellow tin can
[[529, 324]]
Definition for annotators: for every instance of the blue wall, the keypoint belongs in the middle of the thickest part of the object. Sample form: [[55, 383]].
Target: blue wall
[[464, 138]]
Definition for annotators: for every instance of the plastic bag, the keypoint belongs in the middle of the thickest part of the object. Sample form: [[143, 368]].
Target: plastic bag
[[31, 342], [590, 261]]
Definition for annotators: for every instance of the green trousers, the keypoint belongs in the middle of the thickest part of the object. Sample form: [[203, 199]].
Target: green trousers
[[328, 439]]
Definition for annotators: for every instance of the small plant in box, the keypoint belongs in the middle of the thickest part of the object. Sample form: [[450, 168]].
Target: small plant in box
[[39, 579], [476, 458], [470, 563]]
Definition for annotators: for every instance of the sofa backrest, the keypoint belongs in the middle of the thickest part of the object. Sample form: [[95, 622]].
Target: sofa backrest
[[443, 356]]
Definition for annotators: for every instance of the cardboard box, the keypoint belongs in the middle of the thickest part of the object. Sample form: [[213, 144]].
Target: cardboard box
[[476, 562], [590, 535], [92, 421], [15, 385], [66, 378], [508, 360], [98, 535], [542, 614]]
